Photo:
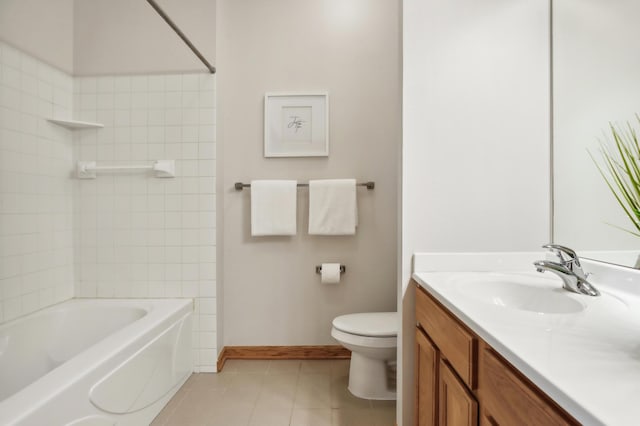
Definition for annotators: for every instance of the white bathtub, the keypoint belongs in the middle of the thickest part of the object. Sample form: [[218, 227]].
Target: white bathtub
[[94, 362]]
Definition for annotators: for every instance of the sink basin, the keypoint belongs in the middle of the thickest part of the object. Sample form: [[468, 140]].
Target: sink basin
[[530, 293]]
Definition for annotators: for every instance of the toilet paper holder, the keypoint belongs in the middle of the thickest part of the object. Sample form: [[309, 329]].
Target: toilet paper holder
[[343, 269]]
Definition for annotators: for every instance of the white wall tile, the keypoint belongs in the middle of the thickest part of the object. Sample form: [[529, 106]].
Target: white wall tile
[[206, 133], [122, 84], [36, 243], [207, 339], [122, 100], [139, 83], [173, 83], [173, 100], [208, 306], [105, 85], [156, 83], [139, 100]]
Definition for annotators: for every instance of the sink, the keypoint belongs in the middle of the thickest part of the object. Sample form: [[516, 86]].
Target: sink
[[522, 292]]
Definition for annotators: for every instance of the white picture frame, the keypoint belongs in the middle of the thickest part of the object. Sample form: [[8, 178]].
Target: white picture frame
[[296, 124]]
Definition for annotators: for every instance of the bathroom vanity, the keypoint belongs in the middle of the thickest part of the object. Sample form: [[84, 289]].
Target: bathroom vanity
[[511, 346], [461, 379]]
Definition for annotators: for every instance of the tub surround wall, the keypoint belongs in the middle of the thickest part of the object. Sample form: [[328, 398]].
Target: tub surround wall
[[135, 236], [476, 109], [272, 295], [125, 235], [141, 236], [36, 194]]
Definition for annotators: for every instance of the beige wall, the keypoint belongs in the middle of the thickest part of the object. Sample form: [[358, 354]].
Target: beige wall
[[100, 37], [41, 28], [272, 295], [129, 37]]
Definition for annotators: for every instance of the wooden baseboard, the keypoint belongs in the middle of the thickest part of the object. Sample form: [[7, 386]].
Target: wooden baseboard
[[282, 352]]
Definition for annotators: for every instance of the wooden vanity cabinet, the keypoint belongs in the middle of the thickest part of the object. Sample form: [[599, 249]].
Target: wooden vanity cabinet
[[445, 367], [461, 380], [441, 397]]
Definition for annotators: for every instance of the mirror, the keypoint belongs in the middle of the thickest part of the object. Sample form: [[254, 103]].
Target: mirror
[[596, 80]]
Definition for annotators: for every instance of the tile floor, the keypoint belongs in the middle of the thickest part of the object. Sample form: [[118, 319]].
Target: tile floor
[[274, 393]]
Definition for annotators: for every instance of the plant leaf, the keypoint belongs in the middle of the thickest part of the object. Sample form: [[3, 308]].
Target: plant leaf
[[621, 170]]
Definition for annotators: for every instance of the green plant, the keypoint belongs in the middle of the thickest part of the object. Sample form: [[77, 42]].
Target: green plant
[[622, 162]]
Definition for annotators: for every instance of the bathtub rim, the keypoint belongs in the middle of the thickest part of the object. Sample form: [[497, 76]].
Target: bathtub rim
[[117, 346]]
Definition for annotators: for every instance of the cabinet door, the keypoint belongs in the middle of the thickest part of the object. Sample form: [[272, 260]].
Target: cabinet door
[[457, 406], [454, 341], [426, 373]]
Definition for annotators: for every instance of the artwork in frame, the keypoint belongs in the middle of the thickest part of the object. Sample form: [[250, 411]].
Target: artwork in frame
[[296, 124]]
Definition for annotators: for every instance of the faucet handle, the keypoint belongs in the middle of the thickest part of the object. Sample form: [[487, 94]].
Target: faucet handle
[[571, 280], [548, 265], [562, 251]]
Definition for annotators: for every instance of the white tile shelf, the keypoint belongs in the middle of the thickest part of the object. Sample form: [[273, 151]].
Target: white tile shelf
[[76, 124]]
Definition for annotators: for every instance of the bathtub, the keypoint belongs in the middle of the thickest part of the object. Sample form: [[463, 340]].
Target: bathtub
[[94, 362]]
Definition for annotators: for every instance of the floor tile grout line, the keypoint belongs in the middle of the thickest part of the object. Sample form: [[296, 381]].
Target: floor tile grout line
[[335, 375]]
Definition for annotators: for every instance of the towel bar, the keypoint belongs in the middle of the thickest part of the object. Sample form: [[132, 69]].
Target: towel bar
[[239, 185], [161, 168], [343, 269]]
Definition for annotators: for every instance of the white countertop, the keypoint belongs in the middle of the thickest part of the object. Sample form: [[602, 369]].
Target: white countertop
[[588, 361]]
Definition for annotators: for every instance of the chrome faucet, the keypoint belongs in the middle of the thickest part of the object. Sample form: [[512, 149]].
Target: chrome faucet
[[568, 269], [568, 258]]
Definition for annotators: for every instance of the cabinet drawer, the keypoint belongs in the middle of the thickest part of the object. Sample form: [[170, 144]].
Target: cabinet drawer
[[510, 400], [455, 342]]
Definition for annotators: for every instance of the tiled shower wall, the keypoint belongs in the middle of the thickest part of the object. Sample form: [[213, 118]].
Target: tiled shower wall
[[120, 235], [36, 194], [141, 236]]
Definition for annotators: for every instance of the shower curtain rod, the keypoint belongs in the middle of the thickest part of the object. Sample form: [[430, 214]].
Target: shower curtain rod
[[184, 38]]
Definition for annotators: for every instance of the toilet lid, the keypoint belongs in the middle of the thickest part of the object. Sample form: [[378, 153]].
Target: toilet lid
[[374, 324]]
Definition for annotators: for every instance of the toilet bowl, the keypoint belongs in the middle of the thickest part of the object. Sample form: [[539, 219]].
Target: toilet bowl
[[372, 340]]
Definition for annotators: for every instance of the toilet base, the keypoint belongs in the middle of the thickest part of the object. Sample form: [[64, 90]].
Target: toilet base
[[368, 378]]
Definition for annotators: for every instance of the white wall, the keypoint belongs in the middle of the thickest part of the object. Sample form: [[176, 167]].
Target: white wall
[[129, 37], [272, 295], [41, 28], [36, 194], [475, 136]]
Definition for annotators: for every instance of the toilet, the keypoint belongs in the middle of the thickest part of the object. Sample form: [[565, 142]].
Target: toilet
[[372, 339]]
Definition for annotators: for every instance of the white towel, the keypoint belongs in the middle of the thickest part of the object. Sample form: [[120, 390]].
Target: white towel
[[273, 207], [332, 207]]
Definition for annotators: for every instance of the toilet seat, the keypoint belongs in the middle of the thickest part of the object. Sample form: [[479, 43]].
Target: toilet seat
[[364, 341], [369, 324]]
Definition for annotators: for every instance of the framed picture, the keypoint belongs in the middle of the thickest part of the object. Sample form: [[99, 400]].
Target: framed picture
[[296, 124]]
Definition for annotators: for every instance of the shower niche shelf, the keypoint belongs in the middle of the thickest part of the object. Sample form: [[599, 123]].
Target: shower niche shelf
[[76, 124]]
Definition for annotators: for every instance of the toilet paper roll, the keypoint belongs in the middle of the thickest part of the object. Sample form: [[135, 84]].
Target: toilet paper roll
[[330, 273]]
